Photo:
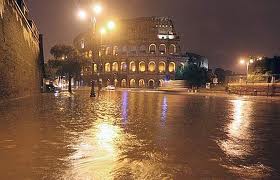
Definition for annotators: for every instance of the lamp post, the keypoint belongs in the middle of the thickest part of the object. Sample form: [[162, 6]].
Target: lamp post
[[246, 62], [97, 9]]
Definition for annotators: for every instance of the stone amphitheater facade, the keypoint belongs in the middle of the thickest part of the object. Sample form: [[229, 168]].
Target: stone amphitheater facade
[[142, 53]]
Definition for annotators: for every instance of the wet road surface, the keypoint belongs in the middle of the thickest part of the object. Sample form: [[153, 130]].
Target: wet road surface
[[139, 135]]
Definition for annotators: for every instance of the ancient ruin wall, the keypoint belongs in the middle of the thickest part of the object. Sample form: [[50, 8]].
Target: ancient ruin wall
[[19, 53]]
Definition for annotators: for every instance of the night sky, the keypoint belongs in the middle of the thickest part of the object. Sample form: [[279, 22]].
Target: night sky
[[222, 30]]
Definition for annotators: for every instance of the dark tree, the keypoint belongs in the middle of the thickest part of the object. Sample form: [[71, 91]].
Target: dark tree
[[71, 65], [221, 75], [61, 51], [195, 76]]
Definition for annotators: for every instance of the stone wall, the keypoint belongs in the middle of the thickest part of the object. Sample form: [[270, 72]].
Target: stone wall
[[19, 53]]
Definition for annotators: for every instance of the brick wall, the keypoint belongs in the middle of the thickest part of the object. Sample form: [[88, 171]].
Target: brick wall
[[19, 53]]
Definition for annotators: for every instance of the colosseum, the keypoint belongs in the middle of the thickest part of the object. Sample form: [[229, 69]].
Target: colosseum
[[140, 53]]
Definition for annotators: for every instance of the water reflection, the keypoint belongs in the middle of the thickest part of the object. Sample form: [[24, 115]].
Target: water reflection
[[240, 144], [96, 154], [239, 130], [164, 109], [124, 106], [77, 137]]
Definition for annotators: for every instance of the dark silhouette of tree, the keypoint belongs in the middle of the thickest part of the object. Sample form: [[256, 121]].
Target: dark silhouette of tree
[[70, 66], [195, 76], [221, 75], [61, 51]]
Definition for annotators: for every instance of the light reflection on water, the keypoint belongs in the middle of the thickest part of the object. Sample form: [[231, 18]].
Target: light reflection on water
[[239, 130], [240, 141], [164, 109], [96, 154], [138, 135], [124, 106]]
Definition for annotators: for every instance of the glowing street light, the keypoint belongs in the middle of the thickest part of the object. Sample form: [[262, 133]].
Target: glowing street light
[[242, 61], [103, 31], [247, 62], [82, 14], [111, 25], [97, 9]]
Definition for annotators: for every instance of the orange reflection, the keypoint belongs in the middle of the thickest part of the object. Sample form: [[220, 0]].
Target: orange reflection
[[238, 130], [96, 152], [96, 156]]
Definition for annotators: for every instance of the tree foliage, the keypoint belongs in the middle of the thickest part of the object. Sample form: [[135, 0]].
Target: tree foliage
[[195, 76], [60, 50], [70, 67]]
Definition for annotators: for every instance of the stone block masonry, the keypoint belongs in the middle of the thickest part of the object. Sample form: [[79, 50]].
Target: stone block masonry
[[19, 52]]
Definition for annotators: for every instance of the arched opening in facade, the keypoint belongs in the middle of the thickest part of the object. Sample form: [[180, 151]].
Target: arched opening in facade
[[172, 67], [95, 68], [132, 83], [142, 49], [123, 66], [115, 50], [172, 49], [162, 49], [161, 67], [107, 67], [152, 66], [160, 83], [152, 48], [115, 67], [90, 54], [132, 66], [108, 51], [141, 83], [116, 83], [151, 83], [142, 66], [123, 83]]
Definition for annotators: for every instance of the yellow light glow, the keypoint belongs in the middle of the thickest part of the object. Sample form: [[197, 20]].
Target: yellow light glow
[[239, 130], [111, 25], [242, 61], [251, 61], [260, 58], [97, 9], [82, 14], [103, 31]]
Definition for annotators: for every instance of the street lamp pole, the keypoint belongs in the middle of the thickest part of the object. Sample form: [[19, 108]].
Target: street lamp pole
[[96, 57], [92, 92], [247, 62]]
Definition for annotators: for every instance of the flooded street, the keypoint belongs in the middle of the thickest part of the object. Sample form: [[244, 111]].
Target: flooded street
[[139, 135]]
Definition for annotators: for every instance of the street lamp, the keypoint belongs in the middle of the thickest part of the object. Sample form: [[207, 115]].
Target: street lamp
[[82, 14], [247, 62], [97, 9], [111, 25]]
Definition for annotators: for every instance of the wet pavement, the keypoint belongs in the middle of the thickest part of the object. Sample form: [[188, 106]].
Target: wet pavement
[[139, 135]]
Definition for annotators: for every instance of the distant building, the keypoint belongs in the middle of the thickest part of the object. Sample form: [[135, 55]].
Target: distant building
[[200, 61], [143, 52]]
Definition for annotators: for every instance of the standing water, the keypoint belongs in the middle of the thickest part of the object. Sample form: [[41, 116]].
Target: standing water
[[139, 135]]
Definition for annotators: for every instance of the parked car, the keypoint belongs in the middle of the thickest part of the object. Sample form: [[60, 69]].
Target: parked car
[[110, 88], [50, 88]]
